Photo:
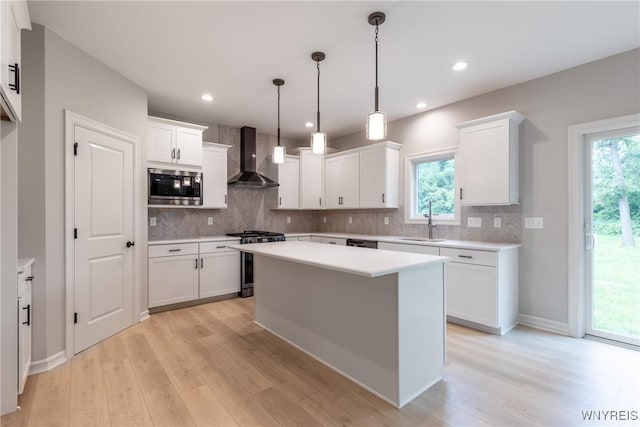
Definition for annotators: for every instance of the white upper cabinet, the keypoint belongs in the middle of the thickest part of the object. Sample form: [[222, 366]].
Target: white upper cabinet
[[174, 142], [214, 175], [289, 188], [489, 160], [14, 16], [342, 180], [311, 179], [379, 176]]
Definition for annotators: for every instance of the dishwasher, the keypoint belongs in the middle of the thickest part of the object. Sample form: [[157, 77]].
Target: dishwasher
[[363, 243]]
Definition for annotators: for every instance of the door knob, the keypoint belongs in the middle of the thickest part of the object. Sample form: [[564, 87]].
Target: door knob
[[129, 244]]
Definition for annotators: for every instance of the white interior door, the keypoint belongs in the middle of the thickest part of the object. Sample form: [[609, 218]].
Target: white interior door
[[103, 260]]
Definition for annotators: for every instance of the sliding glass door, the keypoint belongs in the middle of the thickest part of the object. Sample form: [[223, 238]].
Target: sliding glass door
[[612, 235]]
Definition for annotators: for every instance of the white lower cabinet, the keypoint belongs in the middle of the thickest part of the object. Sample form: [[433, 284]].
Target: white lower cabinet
[[25, 314], [219, 270], [305, 238], [318, 239], [334, 241], [190, 271], [401, 247]]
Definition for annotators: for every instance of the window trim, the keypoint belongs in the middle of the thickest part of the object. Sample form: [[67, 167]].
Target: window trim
[[411, 161]]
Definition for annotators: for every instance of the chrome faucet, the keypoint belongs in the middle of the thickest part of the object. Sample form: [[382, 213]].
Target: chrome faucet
[[430, 224]]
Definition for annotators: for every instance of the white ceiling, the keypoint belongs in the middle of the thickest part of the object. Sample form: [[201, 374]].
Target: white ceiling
[[178, 50]]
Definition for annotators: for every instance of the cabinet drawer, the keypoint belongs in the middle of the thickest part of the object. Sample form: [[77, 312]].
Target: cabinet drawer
[[470, 256], [221, 246], [401, 247], [156, 251], [334, 241]]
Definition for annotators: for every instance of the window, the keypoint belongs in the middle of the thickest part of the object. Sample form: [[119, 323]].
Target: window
[[431, 177]]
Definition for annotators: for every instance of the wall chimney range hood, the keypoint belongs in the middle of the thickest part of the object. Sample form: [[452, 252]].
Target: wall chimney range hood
[[248, 177]]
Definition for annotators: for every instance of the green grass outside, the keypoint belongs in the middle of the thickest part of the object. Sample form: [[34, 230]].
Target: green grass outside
[[616, 286]]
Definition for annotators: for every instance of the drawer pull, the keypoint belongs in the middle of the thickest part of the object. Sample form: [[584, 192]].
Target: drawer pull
[[175, 250], [465, 256], [30, 278], [28, 308], [332, 243], [220, 247]]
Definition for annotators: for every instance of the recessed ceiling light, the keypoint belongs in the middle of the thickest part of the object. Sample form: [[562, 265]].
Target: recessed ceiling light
[[207, 97], [309, 124], [421, 104], [460, 65]]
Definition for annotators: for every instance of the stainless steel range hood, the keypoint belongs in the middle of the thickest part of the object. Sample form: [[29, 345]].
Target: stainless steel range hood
[[248, 177]]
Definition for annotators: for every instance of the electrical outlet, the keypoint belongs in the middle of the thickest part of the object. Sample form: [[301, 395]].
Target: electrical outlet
[[324, 219], [535, 222], [288, 220], [386, 220], [350, 220], [210, 220], [152, 221], [497, 222], [474, 222]]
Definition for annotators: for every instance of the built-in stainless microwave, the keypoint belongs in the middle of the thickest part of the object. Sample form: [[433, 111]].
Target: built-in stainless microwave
[[172, 187]]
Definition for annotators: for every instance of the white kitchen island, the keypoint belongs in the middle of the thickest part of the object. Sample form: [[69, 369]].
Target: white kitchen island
[[375, 316]]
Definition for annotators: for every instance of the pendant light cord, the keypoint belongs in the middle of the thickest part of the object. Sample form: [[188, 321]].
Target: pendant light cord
[[278, 116], [318, 112], [376, 94]]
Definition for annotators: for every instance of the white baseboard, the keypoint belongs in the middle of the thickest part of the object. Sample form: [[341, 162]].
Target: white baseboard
[[47, 364], [544, 324], [144, 315]]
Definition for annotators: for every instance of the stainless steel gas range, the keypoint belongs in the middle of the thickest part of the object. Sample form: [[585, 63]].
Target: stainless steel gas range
[[246, 259]]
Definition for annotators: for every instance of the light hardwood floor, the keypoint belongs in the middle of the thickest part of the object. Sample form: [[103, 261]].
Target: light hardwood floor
[[209, 365]]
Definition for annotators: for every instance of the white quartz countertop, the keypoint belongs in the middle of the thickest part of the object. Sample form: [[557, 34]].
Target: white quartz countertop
[[361, 261], [194, 240], [456, 244], [24, 263]]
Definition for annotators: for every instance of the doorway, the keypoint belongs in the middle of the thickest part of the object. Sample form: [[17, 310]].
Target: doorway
[[611, 185]]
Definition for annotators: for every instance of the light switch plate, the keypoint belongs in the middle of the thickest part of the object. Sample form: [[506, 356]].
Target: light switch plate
[[210, 220], [497, 222], [152, 221], [474, 222], [534, 222], [324, 219], [386, 220], [350, 220], [288, 220]]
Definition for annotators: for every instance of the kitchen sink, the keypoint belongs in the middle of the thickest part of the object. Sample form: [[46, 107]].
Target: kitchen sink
[[421, 239]]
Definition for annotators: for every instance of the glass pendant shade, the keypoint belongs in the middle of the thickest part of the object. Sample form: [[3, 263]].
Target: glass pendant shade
[[318, 142], [377, 126], [279, 153]]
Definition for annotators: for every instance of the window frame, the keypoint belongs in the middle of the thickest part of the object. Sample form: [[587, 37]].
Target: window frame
[[411, 162]]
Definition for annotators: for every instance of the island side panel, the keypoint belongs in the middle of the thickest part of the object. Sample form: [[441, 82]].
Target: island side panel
[[421, 330], [346, 321]]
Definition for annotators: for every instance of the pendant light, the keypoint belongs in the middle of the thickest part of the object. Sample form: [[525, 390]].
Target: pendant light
[[318, 138], [377, 120], [279, 151]]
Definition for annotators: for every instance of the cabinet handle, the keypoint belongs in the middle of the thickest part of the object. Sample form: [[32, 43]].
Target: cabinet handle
[[196, 263], [173, 153], [178, 154], [28, 308], [460, 193], [332, 243], [382, 197], [280, 202], [201, 263], [465, 256], [225, 199], [175, 250], [320, 201], [220, 247], [15, 68], [30, 278]]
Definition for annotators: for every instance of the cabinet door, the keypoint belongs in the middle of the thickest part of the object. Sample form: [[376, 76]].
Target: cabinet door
[[288, 178], [311, 181], [334, 241], [485, 164], [24, 340], [373, 177], [188, 146], [173, 280], [214, 176], [351, 181], [161, 142], [219, 274], [333, 182], [11, 55], [472, 293]]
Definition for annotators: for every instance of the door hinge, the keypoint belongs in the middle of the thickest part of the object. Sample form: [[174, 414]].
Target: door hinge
[[75, 318], [75, 233], [75, 149]]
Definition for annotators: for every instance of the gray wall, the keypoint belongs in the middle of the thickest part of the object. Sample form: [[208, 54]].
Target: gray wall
[[598, 90], [248, 208], [77, 82]]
